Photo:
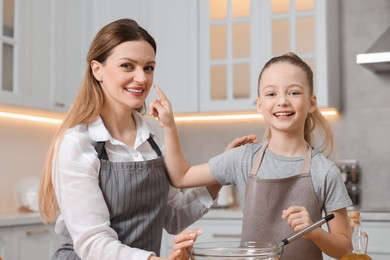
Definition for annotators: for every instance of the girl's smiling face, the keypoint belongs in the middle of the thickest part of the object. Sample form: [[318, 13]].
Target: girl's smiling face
[[127, 74], [284, 98]]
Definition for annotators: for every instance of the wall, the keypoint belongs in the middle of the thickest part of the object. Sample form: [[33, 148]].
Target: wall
[[23, 149], [361, 131]]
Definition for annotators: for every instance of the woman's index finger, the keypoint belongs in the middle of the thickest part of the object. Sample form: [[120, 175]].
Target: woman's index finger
[[160, 93]]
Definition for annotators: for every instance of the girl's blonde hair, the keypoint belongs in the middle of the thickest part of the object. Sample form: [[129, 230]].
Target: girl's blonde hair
[[89, 101], [315, 122]]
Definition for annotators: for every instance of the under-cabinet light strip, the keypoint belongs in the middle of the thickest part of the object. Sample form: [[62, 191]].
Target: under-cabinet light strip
[[31, 118], [179, 118], [182, 118]]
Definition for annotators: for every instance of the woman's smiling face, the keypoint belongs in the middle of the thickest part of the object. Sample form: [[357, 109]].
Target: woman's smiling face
[[285, 99], [127, 74]]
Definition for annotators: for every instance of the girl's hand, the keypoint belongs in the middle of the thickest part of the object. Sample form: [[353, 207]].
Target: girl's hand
[[298, 218], [241, 141], [161, 109]]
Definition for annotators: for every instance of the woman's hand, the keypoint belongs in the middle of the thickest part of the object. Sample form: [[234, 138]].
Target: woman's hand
[[241, 141], [181, 243], [161, 109], [298, 218]]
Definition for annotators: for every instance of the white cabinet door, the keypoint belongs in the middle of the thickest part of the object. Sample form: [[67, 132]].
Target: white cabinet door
[[5, 243], [10, 53], [37, 51], [53, 58], [34, 242], [29, 242], [173, 24], [228, 55], [378, 239]]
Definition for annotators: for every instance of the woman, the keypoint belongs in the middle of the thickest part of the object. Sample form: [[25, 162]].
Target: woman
[[105, 182]]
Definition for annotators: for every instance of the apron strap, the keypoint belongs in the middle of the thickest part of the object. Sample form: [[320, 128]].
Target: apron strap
[[154, 146], [259, 158], [101, 150], [307, 160]]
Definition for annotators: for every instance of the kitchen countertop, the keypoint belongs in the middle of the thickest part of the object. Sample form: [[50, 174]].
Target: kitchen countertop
[[374, 214], [16, 217]]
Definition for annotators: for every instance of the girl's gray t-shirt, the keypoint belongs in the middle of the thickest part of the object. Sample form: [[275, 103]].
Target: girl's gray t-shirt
[[234, 166]]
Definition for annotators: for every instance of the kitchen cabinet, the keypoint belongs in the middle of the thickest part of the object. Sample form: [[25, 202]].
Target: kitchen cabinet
[[53, 58], [209, 55], [229, 54], [28, 242], [48, 55], [238, 37], [10, 44], [54, 36], [378, 238], [312, 29], [5, 242], [206, 61], [377, 226]]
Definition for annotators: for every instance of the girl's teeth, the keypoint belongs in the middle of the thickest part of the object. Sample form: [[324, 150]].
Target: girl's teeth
[[283, 114]]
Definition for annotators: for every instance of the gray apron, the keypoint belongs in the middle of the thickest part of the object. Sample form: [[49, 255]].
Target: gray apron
[[265, 199], [136, 194]]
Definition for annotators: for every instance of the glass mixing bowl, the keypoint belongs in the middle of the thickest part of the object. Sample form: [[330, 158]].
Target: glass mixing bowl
[[238, 250]]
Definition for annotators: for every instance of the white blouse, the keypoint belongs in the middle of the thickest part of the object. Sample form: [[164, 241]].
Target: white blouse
[[84, 213]]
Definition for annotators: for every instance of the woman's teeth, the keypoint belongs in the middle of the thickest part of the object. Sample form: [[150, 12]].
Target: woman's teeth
[[135, 90]]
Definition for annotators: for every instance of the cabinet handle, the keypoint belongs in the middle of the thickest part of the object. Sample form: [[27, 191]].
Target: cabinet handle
[[217, 235], [37, 232], [58, 104]]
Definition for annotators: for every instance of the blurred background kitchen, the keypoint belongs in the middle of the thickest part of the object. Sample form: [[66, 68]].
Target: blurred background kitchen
[[361, 128], [45, 42]]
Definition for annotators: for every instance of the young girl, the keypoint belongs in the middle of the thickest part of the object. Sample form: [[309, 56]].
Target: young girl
[[105, 181], [285, 184]]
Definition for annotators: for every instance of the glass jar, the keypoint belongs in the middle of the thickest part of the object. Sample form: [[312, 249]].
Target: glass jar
[[358, 239], [237, 250]]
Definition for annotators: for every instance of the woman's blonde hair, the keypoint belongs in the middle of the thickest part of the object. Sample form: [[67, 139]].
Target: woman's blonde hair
[[315, 122], [89, 101]]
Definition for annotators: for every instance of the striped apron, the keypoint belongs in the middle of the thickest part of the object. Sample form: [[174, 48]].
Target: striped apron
[[136, 194], [265, 199]]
